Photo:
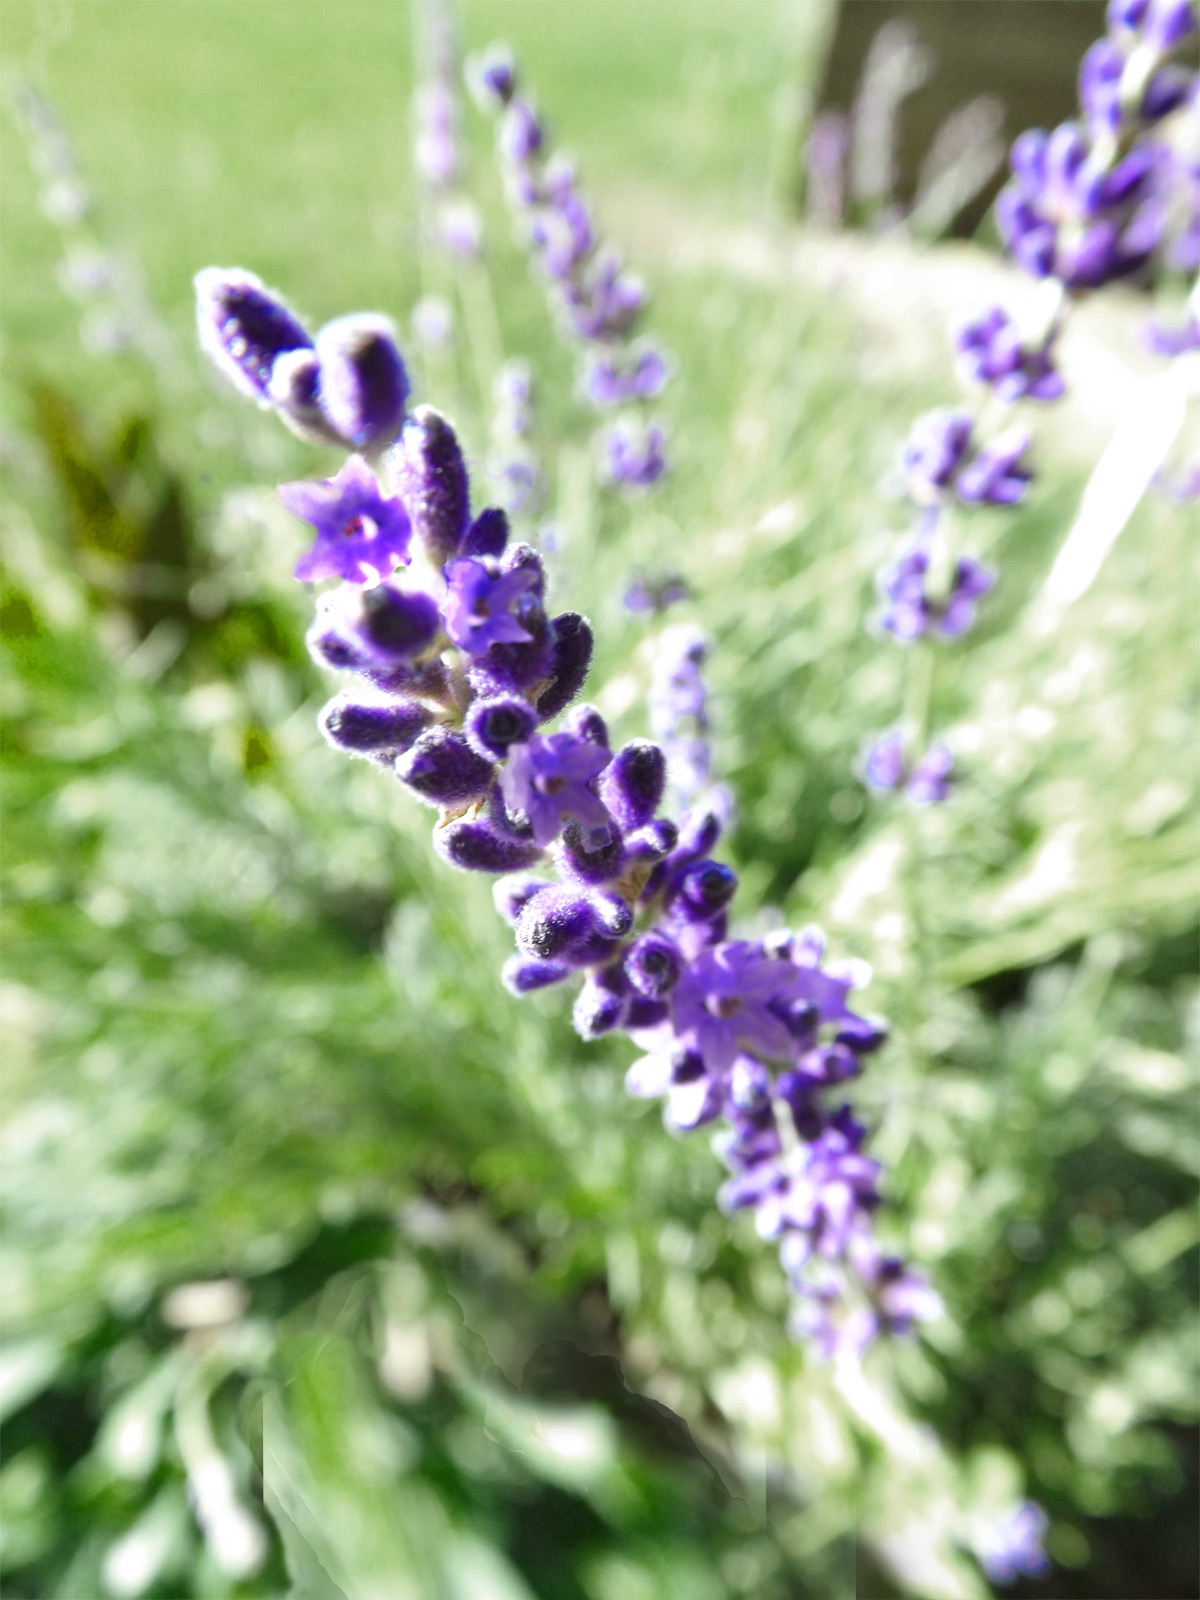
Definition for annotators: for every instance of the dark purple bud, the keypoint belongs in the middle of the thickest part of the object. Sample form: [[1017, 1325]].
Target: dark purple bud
[[519, 975], [367, 728], [699, 830], [703, 890], [429, 681], [564, 923], [600, 1004], [443, 770], [363, 385], [592, 855], [569, 663], [331, 643], [653, 842], [293, 391], [396, 624], [652, 964], [511, 894], [244, 327], [487, 535], [492, 77], [861, 1034], [800, 1017], [492, 725], [1169, 23], [632, 784], [431, 478], [585, 722], [480, 847]]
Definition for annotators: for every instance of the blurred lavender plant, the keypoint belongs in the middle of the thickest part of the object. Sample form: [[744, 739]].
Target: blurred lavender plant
[[116, 316], [450, 221], [597, 301], [455, 673], [850, 161], [1090, 203]]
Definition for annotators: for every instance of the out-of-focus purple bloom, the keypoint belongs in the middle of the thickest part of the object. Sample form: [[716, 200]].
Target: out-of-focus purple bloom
[[550, 778], [911, 611], [996, 475], [244, 327], [1161, 340], [990, 352], [639, 376], [655, 594], [461, 228], [885, 768], [1011, 1547], [1062, 217], [362, 534], [932, 777], [634, 453], [606, 302], [433, 321], [479, 608], [492, 76], [936, 449]]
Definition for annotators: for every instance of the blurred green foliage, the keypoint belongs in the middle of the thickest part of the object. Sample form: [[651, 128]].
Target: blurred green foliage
[[332, 1271]]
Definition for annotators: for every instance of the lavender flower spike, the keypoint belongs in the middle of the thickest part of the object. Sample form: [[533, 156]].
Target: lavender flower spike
[[362, 534], [244, 327]]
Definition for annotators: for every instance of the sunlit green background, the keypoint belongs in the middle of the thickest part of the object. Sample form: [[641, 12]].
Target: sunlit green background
[[479, 1331]]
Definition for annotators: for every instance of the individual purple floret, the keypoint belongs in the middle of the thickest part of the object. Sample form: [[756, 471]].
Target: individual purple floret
[[990, 352], [646, 594], [640, 376], [912, 612], [928, 782], [937, 448], [479, 608], [548, 779], [633, 453], [997, 475], [1011, 1547], [362, 534], [244, 327]]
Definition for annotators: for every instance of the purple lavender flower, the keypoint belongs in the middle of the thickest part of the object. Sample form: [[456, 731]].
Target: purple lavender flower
[[912, 612], [641, 375], [728, 998], [1062, 217], [244, 327], [479, 608], [996, 475], [928, 782], [362, 534], [937, 447], [990, 352], [634, 453], [1011, 1547], [654, 594], [550, 778], [430, 475]]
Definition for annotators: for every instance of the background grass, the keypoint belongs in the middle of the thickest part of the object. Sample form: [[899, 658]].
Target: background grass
[[255, 1029]]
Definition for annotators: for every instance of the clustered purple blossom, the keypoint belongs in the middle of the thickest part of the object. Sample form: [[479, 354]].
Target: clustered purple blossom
[[599, 302], [678, 704], [927, 780], [1090, 202], [437, 150], [911, 610], [454, 671], [1011, 1547]]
